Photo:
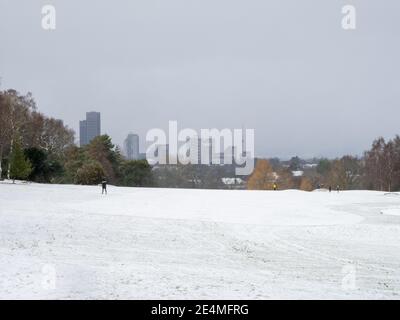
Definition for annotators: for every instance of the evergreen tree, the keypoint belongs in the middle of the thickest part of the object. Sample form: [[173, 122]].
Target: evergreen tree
[[136, 173], [102, 150], [20, 167], [43, 167], [295, 164]]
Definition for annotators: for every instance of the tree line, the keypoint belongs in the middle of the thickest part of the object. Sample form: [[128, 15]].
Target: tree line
[[38, 148], [377, 169], [27, 133]]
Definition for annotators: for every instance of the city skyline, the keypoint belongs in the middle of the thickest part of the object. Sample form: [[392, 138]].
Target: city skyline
[[288, 70]]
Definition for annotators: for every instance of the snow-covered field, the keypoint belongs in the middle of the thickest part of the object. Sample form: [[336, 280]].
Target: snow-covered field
[[70, 242]]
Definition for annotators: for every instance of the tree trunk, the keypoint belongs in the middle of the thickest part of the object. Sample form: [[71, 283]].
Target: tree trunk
[[1, 160], [11, 140], [9, 162]]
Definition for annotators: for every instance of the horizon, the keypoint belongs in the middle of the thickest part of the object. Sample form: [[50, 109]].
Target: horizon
[[142, 149]]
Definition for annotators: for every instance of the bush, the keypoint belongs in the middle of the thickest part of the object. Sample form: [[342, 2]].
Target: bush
[[43, 169], [20, 167], [91, 173], [136, 173]]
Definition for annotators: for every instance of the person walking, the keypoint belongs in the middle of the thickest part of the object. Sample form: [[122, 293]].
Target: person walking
[[337, 188], [330, 188], [104, 186], [275, 187]]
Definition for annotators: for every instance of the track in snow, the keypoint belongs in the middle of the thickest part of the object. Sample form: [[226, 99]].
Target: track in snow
[[70, 242]]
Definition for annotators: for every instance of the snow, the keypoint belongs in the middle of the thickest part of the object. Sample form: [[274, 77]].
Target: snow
[[297, 173], [310, 165], [232, 181], [70, 242], [392, 211]]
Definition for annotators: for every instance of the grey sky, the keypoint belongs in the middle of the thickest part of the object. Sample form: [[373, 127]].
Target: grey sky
[[285, 68]]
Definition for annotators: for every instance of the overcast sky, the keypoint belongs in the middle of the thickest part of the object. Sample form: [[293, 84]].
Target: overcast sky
[[285, 68]]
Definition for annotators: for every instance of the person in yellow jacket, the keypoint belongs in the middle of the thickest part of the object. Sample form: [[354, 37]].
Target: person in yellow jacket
[[275, 187]]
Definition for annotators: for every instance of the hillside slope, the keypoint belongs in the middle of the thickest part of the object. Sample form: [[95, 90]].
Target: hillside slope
[[70, 242]]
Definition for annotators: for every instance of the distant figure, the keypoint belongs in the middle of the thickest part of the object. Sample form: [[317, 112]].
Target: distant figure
[[318, 186], [275, 187], [330, 188], [104, 186], [337, 188]]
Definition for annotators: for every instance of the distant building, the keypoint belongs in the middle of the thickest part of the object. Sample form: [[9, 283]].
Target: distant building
[[157, 155], [93, 125], [82, 133], [233, 183], [131, 147], [201, 150], [89, 128], [162, 153]]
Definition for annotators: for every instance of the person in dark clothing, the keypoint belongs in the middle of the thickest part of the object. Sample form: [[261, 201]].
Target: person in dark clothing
[[337, 188], [104, 186], [330, 188]]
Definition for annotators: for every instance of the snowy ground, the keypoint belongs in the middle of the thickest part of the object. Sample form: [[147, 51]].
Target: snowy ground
[[70, 242]]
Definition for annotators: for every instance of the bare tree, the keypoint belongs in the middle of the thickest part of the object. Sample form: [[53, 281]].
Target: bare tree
[[345, 172], [5, 128], [18, 117], [388, 164], [382, 164]]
